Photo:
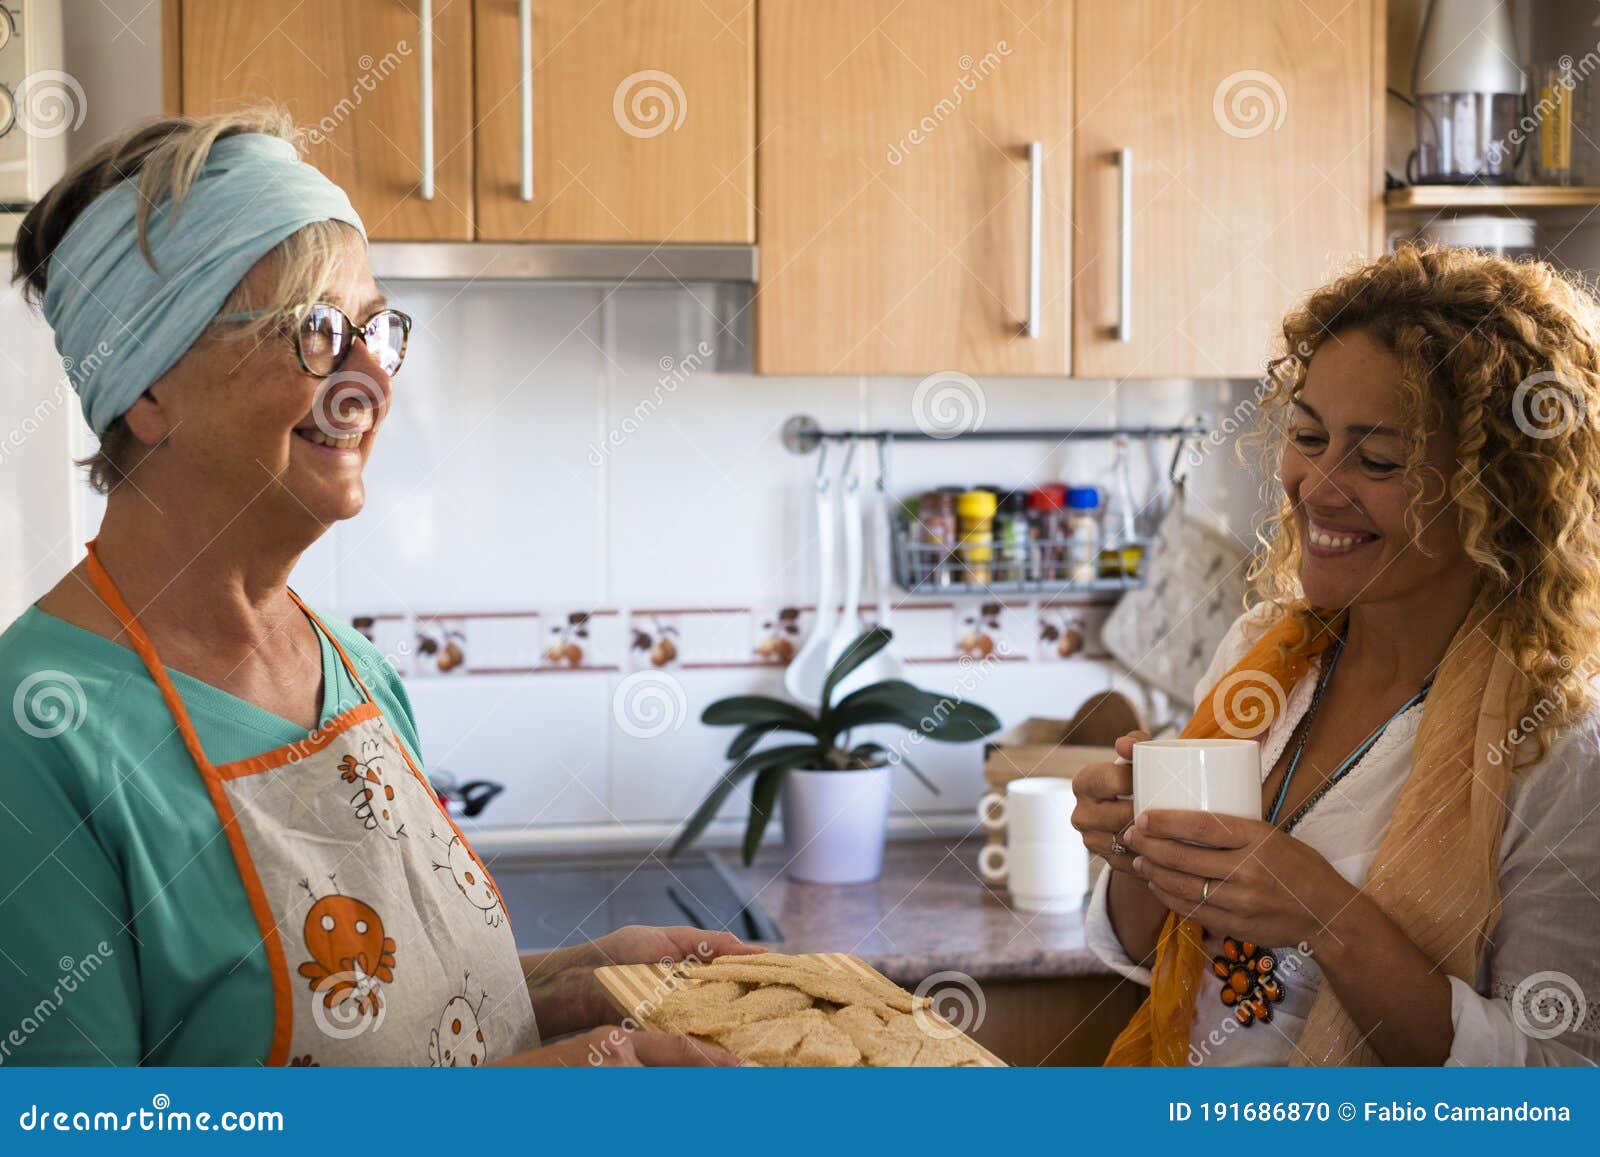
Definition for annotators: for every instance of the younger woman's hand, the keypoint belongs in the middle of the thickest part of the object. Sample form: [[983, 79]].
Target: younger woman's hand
[[1249, 880], [640, 944], [1099, 814]]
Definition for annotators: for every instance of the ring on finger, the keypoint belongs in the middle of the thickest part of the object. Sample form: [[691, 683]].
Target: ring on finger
[[1118, 848], [1205, 892]]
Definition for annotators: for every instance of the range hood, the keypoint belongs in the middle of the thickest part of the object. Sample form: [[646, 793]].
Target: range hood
[[560, 262]]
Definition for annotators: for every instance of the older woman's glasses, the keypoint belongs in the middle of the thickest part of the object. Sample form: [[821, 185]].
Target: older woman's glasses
[[324, 336]]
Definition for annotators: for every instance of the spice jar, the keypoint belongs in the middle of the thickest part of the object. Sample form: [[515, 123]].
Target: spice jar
[[975, 511], [1011, 538], [1048, 528], [1083, 533], [936, 538]]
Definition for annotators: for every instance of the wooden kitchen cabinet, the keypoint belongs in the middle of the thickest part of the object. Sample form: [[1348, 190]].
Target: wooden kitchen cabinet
[[895, 186], [1254, 155], [642, 120], [352, 72]]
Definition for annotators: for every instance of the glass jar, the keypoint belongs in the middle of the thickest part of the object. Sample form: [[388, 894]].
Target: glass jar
[[1011, 538], [935, 538], [975, 511], [1047, 525], [1083, 533]]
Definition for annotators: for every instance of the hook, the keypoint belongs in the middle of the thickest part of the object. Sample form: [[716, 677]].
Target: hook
[[847, 472], [822, 468], [883, 462], [1174, 475]]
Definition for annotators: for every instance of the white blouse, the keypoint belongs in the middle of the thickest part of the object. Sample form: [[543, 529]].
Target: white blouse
[[1537, 1000]]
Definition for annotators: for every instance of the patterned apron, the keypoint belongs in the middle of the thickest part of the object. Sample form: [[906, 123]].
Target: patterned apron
[[386, 938]]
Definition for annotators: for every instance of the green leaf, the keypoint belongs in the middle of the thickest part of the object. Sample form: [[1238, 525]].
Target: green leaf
[[746, 709], [864, 750], [789, 755], [763, 797], [938, 717], [865, 645], [746, 740]]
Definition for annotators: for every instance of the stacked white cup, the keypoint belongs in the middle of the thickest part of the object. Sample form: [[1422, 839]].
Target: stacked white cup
[[1043, 862]]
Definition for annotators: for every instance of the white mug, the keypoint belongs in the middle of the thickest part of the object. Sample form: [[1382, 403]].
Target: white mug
[[1209, 775], [1040, 877], [1036, 810]]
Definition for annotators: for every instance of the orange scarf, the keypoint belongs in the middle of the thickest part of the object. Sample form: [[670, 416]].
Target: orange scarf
[[1436, 871]]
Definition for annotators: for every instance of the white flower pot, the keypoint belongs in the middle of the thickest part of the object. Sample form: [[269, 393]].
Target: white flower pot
[[833, 824]]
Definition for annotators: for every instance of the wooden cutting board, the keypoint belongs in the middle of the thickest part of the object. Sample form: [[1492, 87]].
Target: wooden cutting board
[[636, 989]]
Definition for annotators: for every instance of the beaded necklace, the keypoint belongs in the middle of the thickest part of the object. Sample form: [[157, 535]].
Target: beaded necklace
[[1250, 984]]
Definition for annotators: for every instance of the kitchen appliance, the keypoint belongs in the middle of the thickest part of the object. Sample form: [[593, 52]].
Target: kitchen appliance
[[39, 104], [1468, 90], [557, 903]]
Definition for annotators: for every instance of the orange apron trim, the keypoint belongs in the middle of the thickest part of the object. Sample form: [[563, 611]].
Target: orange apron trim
[[215, 777], [277, 960]]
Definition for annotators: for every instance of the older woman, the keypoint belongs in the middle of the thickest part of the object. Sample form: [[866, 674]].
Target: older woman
[[1418, 670], [217, 845]]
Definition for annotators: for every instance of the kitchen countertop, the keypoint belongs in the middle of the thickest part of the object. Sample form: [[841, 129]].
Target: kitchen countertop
[[929, 912]]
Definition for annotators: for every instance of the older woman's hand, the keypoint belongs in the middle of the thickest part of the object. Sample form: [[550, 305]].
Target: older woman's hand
[[1103, 811], [638, 944], [1264, 885], [567, 997]]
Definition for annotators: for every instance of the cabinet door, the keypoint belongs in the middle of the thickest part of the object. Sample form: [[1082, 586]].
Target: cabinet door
[[897, 223], [1252, 156], [351, 73], [642, 120]]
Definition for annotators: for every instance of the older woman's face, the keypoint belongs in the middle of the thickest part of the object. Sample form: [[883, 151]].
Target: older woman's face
[[249, 426], [1342, 473]]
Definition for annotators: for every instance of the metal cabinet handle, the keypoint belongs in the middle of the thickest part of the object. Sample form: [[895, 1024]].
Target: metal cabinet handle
[[525, 38], [1125, 248], [426, 16], [1035, 231]]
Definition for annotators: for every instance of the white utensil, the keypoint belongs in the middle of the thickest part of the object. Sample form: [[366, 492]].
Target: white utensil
[[807, 670], [848, 627], [885, 664]]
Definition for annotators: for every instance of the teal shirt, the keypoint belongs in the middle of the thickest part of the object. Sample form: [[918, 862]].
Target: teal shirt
[[125, 933]]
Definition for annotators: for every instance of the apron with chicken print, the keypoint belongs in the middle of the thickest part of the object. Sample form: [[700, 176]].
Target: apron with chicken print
[[386, 938]]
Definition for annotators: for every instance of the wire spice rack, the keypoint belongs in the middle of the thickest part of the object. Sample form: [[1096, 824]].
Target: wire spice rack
[[1031, 566]]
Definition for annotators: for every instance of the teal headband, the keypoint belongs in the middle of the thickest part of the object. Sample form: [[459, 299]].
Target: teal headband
[[119, 323]]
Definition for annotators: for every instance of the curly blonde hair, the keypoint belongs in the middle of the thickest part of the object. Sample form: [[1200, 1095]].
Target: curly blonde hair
[[1507, 355]]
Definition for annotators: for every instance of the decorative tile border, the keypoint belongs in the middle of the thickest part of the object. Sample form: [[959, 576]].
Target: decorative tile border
[[458, 644]]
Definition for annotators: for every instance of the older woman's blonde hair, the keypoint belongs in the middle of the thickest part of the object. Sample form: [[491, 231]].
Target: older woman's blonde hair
[[165, 156], [1506, 355]]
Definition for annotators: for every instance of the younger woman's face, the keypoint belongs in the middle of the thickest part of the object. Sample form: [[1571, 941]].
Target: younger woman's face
[[1342, 472]]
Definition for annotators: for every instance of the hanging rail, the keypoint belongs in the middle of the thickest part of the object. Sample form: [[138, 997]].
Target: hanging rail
[[802, 434]]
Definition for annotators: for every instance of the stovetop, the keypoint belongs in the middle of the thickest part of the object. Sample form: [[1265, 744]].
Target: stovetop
[[555, 903]]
